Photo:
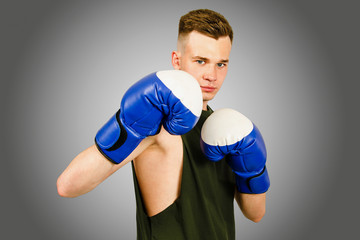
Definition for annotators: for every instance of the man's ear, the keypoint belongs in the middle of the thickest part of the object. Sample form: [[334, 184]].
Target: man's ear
[[175, 59]]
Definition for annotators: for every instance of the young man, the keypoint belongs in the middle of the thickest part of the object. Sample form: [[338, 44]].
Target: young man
[[180, 194]]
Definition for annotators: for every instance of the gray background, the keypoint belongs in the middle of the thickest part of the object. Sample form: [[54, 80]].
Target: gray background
[[66, 64]]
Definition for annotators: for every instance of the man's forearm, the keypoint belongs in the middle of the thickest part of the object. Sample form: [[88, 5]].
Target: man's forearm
[[252, 205], [84, 173], [88, 169]]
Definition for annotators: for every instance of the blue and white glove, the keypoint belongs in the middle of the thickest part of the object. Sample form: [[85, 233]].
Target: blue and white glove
[[171, 98], [228, 133]]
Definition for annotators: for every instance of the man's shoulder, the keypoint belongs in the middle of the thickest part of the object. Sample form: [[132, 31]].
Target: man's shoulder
[[163, 142]]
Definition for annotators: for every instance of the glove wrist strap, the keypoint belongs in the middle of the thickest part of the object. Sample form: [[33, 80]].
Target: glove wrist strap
[[259, 183]]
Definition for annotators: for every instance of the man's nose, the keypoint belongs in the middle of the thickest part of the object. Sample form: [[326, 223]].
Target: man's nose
[[210, 73]]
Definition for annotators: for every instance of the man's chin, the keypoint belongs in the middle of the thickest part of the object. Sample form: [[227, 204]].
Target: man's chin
[[208, 97]]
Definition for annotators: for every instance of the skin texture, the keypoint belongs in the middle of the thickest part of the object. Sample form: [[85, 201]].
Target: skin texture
[[158, 159], [206, 59]]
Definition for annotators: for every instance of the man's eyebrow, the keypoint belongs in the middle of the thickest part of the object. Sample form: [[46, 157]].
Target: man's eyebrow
[[200, 58], [206, 59]]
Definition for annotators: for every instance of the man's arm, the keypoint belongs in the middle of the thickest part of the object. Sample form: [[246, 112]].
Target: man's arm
[[88, 169], [160, 98], [229, 133], [251, 205]]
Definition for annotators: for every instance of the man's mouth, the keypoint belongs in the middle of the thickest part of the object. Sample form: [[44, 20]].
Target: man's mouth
[[207, 89]]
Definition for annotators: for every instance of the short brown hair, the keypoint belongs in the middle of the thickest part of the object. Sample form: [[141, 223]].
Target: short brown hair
[[207, 22]]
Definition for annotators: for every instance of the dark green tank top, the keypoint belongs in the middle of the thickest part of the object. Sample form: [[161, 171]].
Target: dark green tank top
[[205, 207]]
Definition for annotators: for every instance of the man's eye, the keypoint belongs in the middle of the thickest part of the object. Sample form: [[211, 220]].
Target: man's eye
[[221, 65], [200, 62]]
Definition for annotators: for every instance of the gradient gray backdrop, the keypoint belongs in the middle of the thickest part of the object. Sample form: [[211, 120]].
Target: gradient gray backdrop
[[66, 64]]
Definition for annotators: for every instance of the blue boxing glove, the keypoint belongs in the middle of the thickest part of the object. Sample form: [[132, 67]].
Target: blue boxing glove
[[228, 133], [172, 99]]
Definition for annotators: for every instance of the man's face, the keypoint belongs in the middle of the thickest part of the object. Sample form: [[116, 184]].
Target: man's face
[[206, 59]]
